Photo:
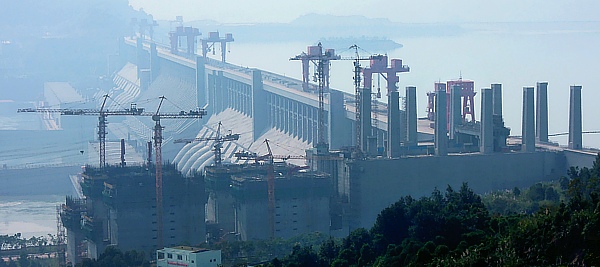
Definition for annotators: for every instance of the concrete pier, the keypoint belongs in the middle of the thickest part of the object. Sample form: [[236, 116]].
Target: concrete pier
[[441, 125], [486, 145], [201, 82], [365, 117], [541, 112], [528, 130], [455, 110], [497, 98], [260, 108], [575, 125], [337, 124], [411, 115], [394, 127], [154, 62]]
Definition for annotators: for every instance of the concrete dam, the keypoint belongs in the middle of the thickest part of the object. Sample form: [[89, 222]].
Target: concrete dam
[[376, 152]]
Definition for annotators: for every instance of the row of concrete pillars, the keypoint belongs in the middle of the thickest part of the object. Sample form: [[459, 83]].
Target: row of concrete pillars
[[446, 124], [400, 130], [534, 120], [540, 133]]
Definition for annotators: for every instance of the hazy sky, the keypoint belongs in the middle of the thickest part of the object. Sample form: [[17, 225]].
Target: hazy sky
[[238, 11]]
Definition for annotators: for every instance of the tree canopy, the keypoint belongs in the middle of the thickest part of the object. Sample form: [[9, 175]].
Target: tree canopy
[[559, 225]]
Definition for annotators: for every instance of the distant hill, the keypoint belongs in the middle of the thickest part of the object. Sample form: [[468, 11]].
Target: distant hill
[[370, 44], [312, 27]]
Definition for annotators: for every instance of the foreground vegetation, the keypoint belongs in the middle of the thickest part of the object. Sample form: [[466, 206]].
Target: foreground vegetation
[[547, 224]]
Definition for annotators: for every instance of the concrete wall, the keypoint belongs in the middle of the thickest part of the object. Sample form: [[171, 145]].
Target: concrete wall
[[126, 214], [579, 159], [375, 184], [301, 206]]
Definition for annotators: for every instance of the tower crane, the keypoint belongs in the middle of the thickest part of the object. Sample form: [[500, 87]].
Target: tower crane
[[219, 140], [357, 93], [158, 137], [132, 111], [101, 113], [322, 61], [268, 159]]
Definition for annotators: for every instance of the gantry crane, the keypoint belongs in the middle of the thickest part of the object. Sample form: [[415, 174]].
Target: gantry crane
[[101, 113], [268, 159], [219, 140]]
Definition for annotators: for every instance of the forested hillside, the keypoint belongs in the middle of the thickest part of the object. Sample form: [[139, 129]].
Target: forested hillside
[[455, 228]]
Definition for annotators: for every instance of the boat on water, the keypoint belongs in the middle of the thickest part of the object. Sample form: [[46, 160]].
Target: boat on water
[[370, 44]]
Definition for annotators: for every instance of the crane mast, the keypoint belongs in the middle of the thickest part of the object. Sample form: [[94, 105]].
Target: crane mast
[[158, 138], [357, 94], [271, 189], [268, 159], [321, 81], [102, 133], [321, 60]]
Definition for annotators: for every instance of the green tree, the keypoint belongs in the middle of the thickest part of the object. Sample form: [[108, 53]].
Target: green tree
[[536, 192], [23, 260]]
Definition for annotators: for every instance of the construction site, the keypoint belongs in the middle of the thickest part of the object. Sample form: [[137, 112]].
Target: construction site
[[248, 154]]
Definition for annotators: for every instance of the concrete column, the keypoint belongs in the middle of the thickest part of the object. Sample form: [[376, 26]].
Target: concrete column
[[575, 125], [365, 117], [139, 53], [260, 108], [289, 117], [441, 126], [497, 98], [528, 126], [154, 62], [411, 115], [541, 112], [222, 96], [339, 126], [142, 57], [201, 82], [145, 77], [212, 92], [455, 110], [394, 127], [486, 143], [372, 145]]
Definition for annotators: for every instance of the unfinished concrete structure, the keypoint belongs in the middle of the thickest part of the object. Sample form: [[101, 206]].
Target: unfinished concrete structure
[[220, 209], [302, 204], [120, 210]]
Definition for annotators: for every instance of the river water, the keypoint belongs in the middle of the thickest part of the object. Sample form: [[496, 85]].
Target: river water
[[29, 215]]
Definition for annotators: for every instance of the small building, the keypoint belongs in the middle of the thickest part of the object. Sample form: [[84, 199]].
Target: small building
[[188, 256]]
